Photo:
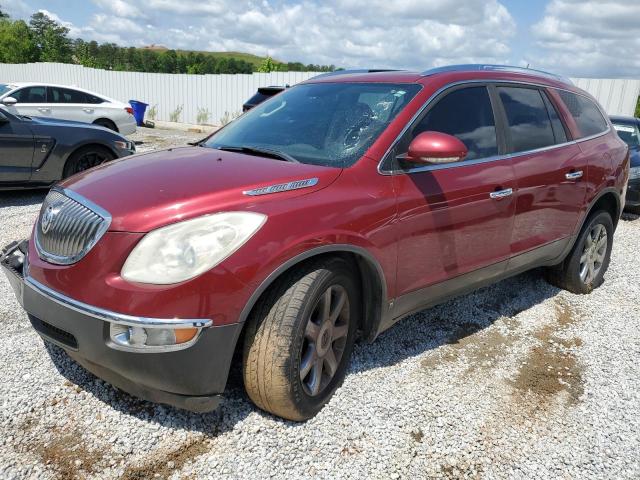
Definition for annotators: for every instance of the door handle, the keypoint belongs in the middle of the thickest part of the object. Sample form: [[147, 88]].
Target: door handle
[[88, 110], [507, 192], [574, 175], [44, 110]]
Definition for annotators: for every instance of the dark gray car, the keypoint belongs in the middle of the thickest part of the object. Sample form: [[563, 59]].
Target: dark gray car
[[37, 152]]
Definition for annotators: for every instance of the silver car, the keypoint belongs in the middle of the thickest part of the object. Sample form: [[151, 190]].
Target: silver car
[[67, 103]]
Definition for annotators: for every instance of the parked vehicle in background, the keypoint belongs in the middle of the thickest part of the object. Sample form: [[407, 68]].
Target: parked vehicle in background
[[260, 96], [67, 103], [628, 129], [338, 206], [36, 152]]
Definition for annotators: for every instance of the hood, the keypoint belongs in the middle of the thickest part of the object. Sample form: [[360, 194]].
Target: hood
[[55, 122], [147, 191]]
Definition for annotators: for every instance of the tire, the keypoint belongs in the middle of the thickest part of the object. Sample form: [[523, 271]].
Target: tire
[[574, 274], [280, 359], [635, 210], [85, 158], [104, 122]]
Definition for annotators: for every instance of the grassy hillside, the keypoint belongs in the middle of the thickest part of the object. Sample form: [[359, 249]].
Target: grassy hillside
[[255, 60], [247, 57]]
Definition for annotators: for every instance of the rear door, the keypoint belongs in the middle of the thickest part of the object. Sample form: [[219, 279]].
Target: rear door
[[70, 104], [16, 150], [549, 170], [32, 101], [454, 218]]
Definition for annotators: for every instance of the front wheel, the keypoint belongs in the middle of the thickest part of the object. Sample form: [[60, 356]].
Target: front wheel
[[585, 266], [299, 339], [86, 158]]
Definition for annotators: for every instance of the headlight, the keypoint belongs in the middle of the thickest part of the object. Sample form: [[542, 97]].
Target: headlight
[[184, 250], [634, 173], [125, 145]]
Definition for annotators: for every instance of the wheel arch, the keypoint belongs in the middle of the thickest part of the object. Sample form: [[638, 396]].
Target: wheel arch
[[105, 119], [607, 200], [370, 276]]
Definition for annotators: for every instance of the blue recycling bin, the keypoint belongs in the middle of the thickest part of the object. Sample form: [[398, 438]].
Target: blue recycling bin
[[138, 111]]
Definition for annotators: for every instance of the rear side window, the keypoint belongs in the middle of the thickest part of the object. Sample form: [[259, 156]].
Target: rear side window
[[66, 95], [467, 114], [93, 99], [30, 95], [586, 113], [528, 121], [558, 127]]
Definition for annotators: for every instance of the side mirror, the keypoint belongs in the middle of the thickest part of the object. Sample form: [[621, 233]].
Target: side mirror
[[436, 148], [9, 101]]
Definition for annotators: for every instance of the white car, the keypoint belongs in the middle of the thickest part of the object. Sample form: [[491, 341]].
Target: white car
[[67, 103]]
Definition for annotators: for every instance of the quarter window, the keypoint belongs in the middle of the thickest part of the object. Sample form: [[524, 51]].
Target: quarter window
[[528, 121], [465, 113], [585, 112]]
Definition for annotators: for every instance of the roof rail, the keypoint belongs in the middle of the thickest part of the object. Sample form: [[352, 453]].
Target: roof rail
[[347, 72], [478, 67]]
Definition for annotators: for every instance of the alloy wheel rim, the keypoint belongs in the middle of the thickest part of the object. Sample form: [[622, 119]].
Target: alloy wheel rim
[[593, 254], [89, 160], [325, 338]]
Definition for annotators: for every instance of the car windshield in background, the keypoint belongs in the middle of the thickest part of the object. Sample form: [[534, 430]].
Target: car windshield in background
[[629, 134], [4, 88], [330, 124]]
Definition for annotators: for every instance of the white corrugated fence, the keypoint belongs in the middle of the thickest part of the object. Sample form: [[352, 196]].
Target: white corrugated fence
[[215, 93], [220, 94]]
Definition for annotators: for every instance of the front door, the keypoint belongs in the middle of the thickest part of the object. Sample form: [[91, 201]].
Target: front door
[[32, 101], [16, 150], [456, 218]]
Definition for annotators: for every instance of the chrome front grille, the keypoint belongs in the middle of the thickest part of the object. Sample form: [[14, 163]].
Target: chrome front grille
[[68, 227]]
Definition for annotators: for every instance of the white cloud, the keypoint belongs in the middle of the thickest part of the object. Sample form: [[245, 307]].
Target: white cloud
[[348, 33], [590, 38], [17, 8], [121, 8]]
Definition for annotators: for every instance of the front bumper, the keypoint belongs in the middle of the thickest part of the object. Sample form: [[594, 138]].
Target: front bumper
[[633, 193], [192, 379]]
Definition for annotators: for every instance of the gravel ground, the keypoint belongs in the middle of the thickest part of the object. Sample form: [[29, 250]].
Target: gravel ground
[[518, 380]]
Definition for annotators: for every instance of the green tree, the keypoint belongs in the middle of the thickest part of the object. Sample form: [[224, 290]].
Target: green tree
[[2, 14], [51, 39], [168, 61], [16, 44], [637, 114], [268, 65]]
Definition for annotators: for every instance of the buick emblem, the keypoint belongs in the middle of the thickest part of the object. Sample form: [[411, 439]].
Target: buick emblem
[[47, 218]]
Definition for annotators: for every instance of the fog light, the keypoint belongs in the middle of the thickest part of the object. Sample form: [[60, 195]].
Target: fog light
[[127, 337]]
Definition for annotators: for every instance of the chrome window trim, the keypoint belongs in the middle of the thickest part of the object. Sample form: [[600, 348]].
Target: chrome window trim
[[494, 158], [104, 226], [114, 317]]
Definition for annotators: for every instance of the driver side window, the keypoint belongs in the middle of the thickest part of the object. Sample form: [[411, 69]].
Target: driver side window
[[30, 95], [465, 113]]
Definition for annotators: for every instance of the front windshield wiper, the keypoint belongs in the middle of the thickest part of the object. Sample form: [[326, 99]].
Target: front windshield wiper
[[265, 152]]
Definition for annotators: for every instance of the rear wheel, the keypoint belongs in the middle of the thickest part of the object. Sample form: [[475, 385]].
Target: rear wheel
[[104, 122], [85, 158], [299, 339], [585, 266]]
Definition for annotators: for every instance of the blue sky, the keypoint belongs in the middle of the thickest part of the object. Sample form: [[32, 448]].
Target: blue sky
[[588, 38]]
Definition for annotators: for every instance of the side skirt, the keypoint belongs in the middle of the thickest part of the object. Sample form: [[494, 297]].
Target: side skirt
[[405, 305]]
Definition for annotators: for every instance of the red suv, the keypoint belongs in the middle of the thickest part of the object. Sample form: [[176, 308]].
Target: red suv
[[331, 210]]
